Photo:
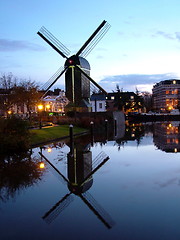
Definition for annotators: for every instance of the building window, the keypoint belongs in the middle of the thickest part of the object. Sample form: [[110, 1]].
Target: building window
[[132, 97], [174, 81], [167, 91], [112, 97], [100, 105]]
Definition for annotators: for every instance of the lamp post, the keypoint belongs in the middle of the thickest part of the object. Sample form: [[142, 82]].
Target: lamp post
[[40, 108]]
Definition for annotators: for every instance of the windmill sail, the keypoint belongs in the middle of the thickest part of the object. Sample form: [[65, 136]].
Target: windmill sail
[[93, 39], [52, 165], [53, 80], [97, 209], [98, 162], [54, 42], [52, 214], [91, 80]]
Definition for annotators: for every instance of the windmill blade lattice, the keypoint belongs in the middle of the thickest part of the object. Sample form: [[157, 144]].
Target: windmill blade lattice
[[53, 213], [54, 42], [97, 209], [98, 162], [93, 39], [53, 79], [58, 173]]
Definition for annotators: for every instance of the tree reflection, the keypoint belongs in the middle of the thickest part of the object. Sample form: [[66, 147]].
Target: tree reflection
[[132, 132], [17, 172]]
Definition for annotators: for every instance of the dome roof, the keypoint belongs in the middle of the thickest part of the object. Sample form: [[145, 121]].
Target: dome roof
[[77, 60], [84, 63]]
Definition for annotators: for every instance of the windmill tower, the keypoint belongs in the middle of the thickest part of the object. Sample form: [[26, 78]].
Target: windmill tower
[[78, 83]]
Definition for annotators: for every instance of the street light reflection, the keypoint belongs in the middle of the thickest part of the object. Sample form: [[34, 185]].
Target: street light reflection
[[49, 149]]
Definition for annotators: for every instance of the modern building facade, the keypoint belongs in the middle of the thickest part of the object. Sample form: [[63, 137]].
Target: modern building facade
[[166, 95]]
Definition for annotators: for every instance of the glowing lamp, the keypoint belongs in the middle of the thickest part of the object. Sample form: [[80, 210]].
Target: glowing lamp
[[70, 61], [48, 106], [40, 106], [41, 165]]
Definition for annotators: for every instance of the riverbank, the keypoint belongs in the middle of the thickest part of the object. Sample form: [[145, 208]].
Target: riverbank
[[45, 135], [153, 117]]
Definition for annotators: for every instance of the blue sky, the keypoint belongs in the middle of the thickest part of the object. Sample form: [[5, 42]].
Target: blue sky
[[141, 48]]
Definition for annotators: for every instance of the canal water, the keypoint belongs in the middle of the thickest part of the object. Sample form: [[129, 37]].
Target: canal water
[[123, 185]]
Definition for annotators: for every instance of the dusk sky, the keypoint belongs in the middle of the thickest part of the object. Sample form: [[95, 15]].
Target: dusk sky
[[141, 48]]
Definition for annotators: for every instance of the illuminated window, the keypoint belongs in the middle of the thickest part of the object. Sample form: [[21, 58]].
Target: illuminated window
[[177, 141], [167, 91], [174, 81], [112, 97], [132, 97]]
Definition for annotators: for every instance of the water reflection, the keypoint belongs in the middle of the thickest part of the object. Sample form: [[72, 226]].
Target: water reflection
[[137, 186], [80, 170], [17, 172], [167, 136]]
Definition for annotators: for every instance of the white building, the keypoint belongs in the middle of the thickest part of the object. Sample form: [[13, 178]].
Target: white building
[[55, 103], [98, 102]]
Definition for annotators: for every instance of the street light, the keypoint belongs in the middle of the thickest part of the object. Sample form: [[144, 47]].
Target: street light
[[9, 112], [40, 108], [48, 107]]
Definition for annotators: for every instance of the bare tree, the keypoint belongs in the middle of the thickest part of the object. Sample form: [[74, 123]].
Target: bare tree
[[7, 81], [19, 92]]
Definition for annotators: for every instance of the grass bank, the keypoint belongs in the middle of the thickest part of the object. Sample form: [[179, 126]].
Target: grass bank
[[39, 136]]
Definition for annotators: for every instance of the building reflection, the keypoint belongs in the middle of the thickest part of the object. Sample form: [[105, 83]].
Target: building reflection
[[166, 136], [129, 132], [80, 170]]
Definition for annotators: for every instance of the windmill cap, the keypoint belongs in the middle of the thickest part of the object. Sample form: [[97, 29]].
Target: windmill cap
[[77, 60]]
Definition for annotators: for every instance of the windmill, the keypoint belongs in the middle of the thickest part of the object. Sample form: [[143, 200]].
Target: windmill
[[78, 82], [80, 171]]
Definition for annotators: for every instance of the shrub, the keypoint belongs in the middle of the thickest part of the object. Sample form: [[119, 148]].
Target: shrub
[[14, 135]]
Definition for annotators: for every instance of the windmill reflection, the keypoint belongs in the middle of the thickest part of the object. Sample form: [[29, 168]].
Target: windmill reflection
[[80, 170]]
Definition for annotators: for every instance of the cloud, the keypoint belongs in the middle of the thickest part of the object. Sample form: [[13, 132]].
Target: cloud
[[165, 35], [177, 35], [167, 183], [129, 82], [171, 36], [7, 45]]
